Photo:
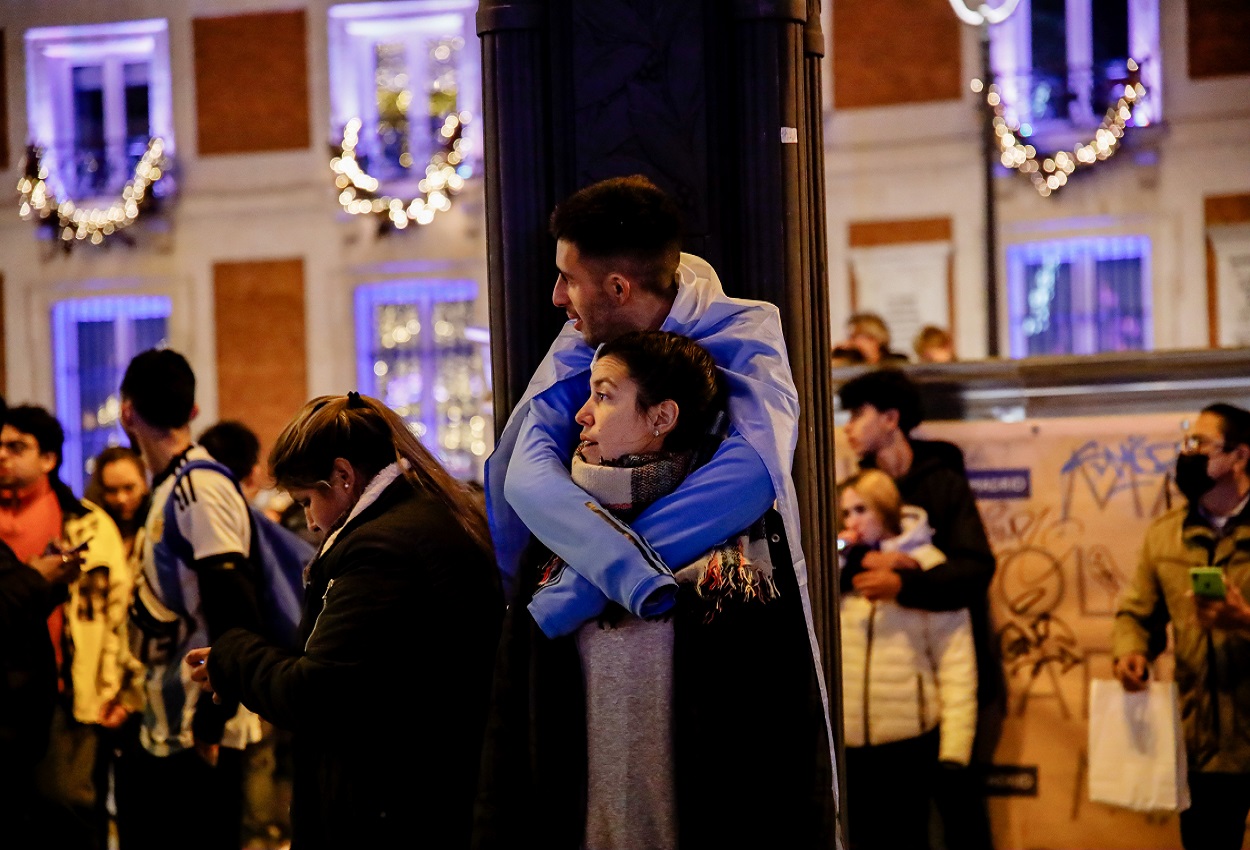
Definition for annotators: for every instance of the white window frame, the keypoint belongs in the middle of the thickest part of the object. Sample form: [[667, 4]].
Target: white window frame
[[53, 52], [1082, 253], [67, 313], [1011, 52], [466, 457], [352, 31]]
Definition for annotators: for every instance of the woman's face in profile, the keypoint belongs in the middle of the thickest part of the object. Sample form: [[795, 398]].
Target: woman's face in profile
[[324, 505], [860, 519], [612, 424]]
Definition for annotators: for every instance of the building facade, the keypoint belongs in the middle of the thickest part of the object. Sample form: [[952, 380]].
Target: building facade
[[317, 224], [1144, 250]]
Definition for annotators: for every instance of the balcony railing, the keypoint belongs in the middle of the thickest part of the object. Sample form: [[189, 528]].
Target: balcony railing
[[84, 171], [1072, 95]]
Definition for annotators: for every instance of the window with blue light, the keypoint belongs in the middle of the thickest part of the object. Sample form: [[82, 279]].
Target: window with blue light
[[410, 72], [1080, 296], [96, 94], [93, 340], [1062, 63], [418, 350]]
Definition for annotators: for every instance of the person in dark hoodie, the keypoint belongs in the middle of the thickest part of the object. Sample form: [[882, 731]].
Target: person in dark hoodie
[[29, 593], [885, 407]]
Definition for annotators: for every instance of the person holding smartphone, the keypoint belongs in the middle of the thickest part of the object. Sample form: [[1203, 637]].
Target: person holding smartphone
[[1194, 571], [40, 517]]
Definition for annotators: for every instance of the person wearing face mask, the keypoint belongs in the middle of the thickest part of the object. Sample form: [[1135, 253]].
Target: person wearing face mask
[[1211, 631], [387, 695]]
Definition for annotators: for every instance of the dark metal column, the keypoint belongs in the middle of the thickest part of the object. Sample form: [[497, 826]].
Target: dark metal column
[[989, 153], [517, 98], [821, 489]]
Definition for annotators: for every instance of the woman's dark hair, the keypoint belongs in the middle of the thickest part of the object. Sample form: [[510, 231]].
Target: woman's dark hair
[[670, 366], [370, 436]]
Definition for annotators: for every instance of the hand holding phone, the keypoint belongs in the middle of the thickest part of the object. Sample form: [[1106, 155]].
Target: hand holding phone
[[1208, 582]]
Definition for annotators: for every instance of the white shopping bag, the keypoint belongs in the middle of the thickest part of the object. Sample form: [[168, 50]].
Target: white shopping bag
[[1136, 749]]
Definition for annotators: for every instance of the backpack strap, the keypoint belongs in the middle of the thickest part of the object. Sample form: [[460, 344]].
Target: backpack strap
[[179, 544]]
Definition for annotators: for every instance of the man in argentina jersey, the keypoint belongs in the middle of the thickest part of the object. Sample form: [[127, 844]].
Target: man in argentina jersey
[[196, 583]]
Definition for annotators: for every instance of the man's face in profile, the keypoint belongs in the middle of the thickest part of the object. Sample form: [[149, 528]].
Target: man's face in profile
[[582, 290], [870, 430]]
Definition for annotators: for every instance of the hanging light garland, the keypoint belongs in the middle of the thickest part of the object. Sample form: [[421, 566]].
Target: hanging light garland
[[358, 189], [37, 201], [1051, 173]]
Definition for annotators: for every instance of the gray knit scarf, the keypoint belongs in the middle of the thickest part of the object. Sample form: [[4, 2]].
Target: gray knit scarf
[[738, 570]]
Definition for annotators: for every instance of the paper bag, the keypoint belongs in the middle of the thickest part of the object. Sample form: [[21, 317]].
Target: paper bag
[[1136, 748]]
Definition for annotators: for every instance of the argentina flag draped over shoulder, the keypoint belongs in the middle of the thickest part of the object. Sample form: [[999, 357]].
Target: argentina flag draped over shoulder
[[745, 338]]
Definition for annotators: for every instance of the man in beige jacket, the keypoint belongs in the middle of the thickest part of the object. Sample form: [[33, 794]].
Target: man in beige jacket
[[1211, 633], [38, 513]]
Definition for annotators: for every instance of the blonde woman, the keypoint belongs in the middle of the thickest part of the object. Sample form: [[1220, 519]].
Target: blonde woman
[[909, 677]]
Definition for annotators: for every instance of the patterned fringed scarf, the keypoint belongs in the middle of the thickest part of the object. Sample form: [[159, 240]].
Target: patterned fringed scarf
[[737, 571]]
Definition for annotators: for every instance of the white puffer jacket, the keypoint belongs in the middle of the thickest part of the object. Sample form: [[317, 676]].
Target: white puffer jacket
[[904, 670]]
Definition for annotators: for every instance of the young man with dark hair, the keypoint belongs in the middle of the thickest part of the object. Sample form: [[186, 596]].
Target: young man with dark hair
[[39, 515], [236, 447], [196, 583], [29, 593], [1211, 630], [885, 406], [621, 269]]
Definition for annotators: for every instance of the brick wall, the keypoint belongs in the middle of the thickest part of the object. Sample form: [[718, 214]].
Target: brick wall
[[1219, 37], [889, 52], [261, 362], [4, 108], [251, 82]]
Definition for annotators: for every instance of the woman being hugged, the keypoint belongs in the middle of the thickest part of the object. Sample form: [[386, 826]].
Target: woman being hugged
[[909, 677], [699, 726], [387, 698]]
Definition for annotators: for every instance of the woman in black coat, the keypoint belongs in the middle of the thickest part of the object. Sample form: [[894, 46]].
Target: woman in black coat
[[387, 698]]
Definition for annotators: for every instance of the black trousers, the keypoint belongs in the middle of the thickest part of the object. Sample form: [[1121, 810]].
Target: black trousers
[[888, 788], [1216, 817], [185, 802]]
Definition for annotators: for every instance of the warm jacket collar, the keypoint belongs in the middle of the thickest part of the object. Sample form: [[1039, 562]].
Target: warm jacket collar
[[372, 492]]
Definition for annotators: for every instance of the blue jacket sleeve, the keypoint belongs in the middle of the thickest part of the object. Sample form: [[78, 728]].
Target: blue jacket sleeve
[[715, 502], [570, 523]]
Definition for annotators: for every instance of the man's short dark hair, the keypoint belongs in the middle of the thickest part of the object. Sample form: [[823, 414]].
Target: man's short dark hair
[[885, 389], [234, 445], [624, 218], [160, 385], [1235, 424], [40, 424]]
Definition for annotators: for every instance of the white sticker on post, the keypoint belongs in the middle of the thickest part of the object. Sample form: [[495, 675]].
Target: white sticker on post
[[789, 135]]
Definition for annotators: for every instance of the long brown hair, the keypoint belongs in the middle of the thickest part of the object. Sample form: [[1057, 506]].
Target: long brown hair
[[370, 436]]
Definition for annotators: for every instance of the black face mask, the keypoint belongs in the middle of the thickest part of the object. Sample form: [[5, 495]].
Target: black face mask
[[1192, 478]]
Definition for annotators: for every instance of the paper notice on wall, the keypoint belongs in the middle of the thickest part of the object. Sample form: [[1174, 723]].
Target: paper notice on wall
[[907, 285], [1066, 503]]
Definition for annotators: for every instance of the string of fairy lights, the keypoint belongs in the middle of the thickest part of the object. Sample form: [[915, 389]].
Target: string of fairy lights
[[358, 189], [1050, 173], [38, 201]]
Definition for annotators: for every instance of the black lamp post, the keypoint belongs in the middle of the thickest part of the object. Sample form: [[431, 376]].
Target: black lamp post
[[982, 17]]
